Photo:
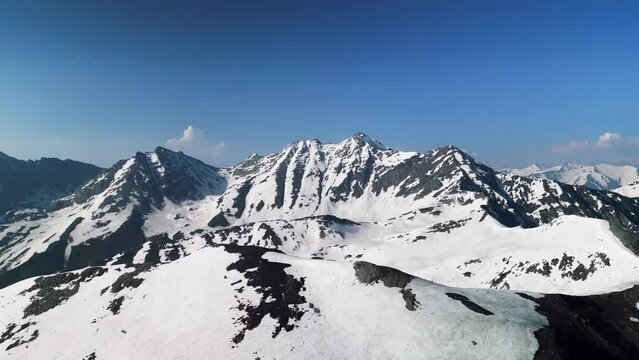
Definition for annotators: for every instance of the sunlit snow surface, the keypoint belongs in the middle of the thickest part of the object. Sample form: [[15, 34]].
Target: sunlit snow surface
[[631, 190], [601, 176], [188, 309]]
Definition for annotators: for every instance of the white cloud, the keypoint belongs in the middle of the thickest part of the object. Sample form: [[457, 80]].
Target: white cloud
[[607, 139], [608, 147], [193, 142], [188, 137]]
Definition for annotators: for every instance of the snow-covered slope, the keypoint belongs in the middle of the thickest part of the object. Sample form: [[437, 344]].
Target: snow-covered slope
[[599, 177], [246, 302], [631, 190], [162, 240], [528, 171], [573, 255]]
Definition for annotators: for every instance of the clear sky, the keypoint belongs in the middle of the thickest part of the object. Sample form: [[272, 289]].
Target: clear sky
[[513, 82]]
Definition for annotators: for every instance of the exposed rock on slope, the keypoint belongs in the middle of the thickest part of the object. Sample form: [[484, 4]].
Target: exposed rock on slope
[[235, 301]]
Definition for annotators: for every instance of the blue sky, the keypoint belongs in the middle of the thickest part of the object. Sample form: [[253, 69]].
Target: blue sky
[[514, 82]]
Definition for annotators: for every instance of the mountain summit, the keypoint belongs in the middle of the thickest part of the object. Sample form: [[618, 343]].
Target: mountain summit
[[150, 178], [362, 139]]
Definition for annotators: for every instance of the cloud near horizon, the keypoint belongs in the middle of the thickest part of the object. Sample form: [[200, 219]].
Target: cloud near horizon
[[193, 142], [608, 147]]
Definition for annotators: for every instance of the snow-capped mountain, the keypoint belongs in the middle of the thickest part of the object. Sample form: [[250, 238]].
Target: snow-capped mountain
[[357, 179], [402, 202], [105, 217], [275, 256], [599, 177], [34, 183], [528, 171]]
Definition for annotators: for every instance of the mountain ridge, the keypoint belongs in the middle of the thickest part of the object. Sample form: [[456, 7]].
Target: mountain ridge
[[356, 180], [35, 183], [281, 254], [599, 177]]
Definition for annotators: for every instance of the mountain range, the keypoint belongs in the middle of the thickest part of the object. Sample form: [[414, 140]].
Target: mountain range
[[621, 179], [34, 183], [346, 250]]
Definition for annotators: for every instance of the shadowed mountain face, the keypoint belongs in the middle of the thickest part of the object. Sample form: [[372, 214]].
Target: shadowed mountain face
[[287, 244], [34, 183], [148, 179]]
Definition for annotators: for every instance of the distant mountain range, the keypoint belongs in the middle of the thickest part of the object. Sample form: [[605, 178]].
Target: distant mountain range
[[621, 179], [34, 183], [346, 250]]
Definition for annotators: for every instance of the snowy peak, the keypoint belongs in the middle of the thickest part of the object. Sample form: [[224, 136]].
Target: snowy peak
[[359, 179], [107, 216], [527, 171], [146, 179], [183, 177], [355, 142], [598, 177], [360, 139], [454, 154], [127, 181]]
